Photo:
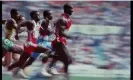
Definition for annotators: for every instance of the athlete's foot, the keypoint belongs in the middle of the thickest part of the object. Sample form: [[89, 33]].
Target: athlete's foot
[[53, 71], [16, 71], [5, 71], [65, 76], [45, 73], [22, 74]]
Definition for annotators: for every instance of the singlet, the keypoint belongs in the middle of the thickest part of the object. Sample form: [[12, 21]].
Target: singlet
[[33, 35], [10, 33], [69, 22], [44, 35]]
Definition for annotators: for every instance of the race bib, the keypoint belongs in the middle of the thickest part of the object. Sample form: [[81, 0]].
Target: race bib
[[6, 42]]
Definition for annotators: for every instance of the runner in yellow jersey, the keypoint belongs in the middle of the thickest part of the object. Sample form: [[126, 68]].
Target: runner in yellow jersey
[[11, 35]]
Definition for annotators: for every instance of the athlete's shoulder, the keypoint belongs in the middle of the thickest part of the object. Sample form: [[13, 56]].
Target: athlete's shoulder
[[10, 21], [21, 17], [29, 22], [43, 22], [62, 20]]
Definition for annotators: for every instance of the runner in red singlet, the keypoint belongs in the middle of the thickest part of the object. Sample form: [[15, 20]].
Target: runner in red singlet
[[63, 24]]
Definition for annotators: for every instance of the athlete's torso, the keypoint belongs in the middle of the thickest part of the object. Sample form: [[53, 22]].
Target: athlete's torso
[[69, 22], [44, 33], [10, 32], [33, 35]]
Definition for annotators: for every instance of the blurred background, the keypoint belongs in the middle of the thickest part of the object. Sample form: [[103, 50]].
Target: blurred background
[[104, 28]]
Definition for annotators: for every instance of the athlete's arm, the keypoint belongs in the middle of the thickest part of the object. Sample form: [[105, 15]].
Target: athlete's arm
[[28, 24], [22, 24], [62, 24]]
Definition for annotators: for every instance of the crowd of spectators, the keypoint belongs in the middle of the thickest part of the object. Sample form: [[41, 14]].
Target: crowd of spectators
[[116, 13]]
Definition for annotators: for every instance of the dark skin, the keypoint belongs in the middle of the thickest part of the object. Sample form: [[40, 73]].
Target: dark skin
[[44, 28], [39, 49], [18, 18], [36, 17], [12, 23], [60, 48]]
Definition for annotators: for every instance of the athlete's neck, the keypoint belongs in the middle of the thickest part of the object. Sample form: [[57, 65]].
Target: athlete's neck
[[36, 20], [67, 15], [47, 19]]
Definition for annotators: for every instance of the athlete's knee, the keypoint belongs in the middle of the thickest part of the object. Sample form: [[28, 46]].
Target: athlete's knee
[[16, 57], [44, 59], [68, 60]]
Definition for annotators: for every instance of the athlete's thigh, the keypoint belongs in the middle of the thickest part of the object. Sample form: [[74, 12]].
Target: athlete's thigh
[[17, 49], [63, 52], [4, 51], [15, 56], [24, 56], [41, 49]]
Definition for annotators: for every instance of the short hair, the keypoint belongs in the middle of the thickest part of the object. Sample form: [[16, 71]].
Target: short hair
[[13, 11], [67, 6], [32, 13], [46, 13]]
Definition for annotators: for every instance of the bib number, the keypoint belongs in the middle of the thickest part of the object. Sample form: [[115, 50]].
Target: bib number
[[6, 42]]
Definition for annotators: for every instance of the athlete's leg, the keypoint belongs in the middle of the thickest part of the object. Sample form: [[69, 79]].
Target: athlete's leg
[[40, 49], [33, 56], [4, 51], [15, 57], [47, 44], [21, 61], [63, 55], [11, 46], [51, 58], [18, 49], [8, 59], [54, 60], [29, 62]]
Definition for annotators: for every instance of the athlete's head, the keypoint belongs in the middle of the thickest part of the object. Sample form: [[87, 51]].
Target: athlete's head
[[68, 9], [14, 14], [47, 14], [35, 15]]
